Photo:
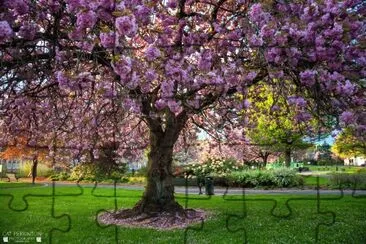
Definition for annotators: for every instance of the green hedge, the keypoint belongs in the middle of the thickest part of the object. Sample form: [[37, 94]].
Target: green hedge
[[350, 181], [281, 177]]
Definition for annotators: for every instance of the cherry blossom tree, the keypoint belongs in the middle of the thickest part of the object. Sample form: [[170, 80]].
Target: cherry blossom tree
[[85, 75]]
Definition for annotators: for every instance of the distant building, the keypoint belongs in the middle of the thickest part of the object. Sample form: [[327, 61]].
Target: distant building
[[355, 161], [11, 166]]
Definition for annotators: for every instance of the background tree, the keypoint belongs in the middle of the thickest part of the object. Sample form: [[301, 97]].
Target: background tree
[[277, 125], [347, 144], [20, 150], [136, 73]]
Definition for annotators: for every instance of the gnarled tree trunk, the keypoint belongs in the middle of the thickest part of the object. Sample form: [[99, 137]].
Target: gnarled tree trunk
[[159, 192]]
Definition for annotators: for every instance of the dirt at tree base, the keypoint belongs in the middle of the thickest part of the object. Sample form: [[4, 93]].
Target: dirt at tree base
[[159, 221]]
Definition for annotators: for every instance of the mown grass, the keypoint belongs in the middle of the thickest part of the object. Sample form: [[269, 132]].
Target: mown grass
[[311, 181], [345, 169], [257, 221]]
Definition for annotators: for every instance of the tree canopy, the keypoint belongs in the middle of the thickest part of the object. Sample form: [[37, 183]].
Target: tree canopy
[[348, 145]]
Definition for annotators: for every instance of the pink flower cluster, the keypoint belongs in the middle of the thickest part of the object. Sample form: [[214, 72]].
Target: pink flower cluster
[[126, 26], [6, 31], [107, 39]]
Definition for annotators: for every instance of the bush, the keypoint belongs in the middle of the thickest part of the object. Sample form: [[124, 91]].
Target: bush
[[329, 162], [282, 177], [285, 177], [141, 172], [84, 171], [97, 172], [60, 176], [345, 180], [252, 178], [217, 167], [137, 180], [42, 170]]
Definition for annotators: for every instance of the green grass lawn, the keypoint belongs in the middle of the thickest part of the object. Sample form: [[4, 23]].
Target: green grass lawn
[[345, 169], [311, 181], [258, 224]]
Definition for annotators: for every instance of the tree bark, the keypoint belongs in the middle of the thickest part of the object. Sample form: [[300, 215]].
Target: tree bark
[[288, 157], [34, 168], [159, 191], [265, 156]]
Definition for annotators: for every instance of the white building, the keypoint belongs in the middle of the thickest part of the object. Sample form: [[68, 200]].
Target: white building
[[355, 161]]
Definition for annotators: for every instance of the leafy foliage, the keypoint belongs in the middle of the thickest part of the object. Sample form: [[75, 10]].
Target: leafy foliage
[[347, 144], [346, 180], [282, 177], [214, 167]]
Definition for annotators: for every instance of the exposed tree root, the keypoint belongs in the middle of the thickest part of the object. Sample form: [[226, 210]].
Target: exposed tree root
[[162, 220]]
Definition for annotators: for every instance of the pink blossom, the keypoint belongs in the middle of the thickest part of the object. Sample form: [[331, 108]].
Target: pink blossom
[[303, 117], [126, 26], [160, 104], [297, 101], [28, 31], [86, 19], [73, 5], [152, 53], [347, 117], [348, 88], [172, 4], [256, 41], [174, 106], [20, 7], [123, 67], [6, 31], [308, 77], [107, 39], [257, 14], [205, 62], [143, 14], [150, 75], [251, 76]]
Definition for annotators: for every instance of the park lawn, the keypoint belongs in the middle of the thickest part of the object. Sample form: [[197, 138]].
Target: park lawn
[[311, 181], [4, 184], [340, 169], [259, 224]]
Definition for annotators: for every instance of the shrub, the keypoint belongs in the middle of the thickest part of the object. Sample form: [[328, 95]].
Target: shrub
[[60, 176], [137, 180], [95, 172], [141, 172], [265, 178], [218, 167], [329, 162], [42, 170], [285, 177], [84, 171], [345, 180]]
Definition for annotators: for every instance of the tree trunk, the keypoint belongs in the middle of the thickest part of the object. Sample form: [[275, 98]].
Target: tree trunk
[[265, 156], [159, 192], [288, 157], [34, 168]]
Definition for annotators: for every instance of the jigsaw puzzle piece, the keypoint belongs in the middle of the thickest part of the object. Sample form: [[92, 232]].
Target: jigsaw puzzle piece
[[36, 200], [359, 181], [281, 210], [103, 211], [237, 217], [195, 228]]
